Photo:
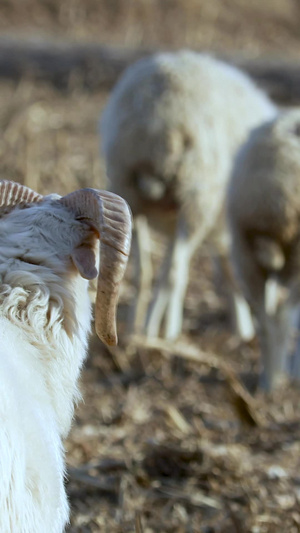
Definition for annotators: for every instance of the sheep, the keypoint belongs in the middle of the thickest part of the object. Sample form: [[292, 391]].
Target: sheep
[[47, 255], [169, 132], [264, 214]]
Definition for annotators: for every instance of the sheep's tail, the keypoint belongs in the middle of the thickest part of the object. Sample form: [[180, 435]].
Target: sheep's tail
[[270, 256], [276, 294], [150, 186], [269, 253]]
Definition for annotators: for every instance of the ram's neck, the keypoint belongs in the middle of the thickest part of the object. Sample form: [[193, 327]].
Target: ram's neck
[[53, 318]]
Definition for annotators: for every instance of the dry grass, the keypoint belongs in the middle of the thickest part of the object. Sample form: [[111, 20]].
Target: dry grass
[[49, 140], [254, 27]]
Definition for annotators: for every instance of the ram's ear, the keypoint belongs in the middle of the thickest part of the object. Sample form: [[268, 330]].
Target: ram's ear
[[110, 217], [85, 261]]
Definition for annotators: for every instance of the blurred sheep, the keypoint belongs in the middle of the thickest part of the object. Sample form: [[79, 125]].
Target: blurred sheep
[[264, 217], [169, 132], [48, 248]]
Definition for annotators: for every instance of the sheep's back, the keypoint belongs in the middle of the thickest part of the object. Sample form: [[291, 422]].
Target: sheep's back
[[264, 190]]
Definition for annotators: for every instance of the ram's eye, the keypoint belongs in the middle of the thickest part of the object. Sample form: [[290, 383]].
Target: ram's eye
[[297, 130]]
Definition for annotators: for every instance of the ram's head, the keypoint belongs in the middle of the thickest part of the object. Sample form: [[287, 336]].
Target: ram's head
[[110, 218]]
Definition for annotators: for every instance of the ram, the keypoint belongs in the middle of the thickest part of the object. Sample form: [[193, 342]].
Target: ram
[[264, 217], [169, 133], [48, 252]]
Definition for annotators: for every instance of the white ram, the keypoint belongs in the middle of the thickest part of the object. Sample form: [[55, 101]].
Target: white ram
[[48, 251]]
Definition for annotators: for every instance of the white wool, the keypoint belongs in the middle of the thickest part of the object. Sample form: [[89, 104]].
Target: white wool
[[44, 322]]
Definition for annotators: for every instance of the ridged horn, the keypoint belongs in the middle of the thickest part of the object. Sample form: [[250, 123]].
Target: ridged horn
[[110, 215], [12, 194]]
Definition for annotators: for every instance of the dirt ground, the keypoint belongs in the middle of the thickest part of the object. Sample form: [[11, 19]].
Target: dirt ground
[[169, 438]]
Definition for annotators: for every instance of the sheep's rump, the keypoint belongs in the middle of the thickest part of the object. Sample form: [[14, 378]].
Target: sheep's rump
[[179, 117], [264, 191]]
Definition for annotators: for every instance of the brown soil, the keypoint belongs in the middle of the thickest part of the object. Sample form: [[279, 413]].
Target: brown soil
[[168, 438]]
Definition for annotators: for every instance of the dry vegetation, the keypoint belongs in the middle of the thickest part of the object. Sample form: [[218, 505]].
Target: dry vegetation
[[167, 439], [270, 26]]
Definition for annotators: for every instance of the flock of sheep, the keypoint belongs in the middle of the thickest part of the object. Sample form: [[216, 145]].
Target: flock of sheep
[[199, 152], [195, 147]]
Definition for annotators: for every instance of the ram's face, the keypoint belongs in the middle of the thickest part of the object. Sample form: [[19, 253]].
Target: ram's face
[[61, 234], [48, 235], [67, 236]]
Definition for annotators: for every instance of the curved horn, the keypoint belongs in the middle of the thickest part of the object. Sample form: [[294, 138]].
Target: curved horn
[[12, 193], [110, 215]]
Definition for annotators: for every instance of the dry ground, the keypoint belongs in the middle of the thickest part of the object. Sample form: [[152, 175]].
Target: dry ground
[[167, 439]]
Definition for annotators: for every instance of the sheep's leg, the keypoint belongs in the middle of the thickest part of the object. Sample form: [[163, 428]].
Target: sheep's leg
[[294, 363], [272, 327], [293, 294], [179, 278], [183, 250], [161, 296], [278, 324], [241, 317], [240, 312], [170, 291], [142, 273], [145, 270], [274, 334]]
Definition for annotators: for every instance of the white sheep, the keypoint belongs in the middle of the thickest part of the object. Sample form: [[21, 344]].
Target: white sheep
[[264, 217], [169, 132], [48, 251]]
